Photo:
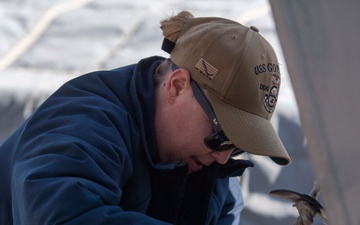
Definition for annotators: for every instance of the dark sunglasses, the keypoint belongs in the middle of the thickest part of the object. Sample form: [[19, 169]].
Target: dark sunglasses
[[216, 141]]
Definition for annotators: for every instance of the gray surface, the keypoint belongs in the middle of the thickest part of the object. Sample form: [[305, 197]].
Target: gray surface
[[325, 71], [45, 43]]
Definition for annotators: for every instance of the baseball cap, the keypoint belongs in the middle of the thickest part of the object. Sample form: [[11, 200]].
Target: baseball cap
[[239, 73]]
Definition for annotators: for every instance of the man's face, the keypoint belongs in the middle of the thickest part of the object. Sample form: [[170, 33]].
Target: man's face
[[189, 126]]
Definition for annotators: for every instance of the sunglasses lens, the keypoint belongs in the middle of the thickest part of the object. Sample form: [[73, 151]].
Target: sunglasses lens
[[219, 142], [236, 152]]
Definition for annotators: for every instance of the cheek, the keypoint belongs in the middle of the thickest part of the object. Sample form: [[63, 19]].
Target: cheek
[[196, 122], [198, 126], [191, 125]]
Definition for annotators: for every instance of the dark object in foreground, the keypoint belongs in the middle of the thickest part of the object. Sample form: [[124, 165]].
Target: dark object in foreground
[[307, 205]]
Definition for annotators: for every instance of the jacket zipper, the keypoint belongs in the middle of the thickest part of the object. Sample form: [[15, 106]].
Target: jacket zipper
[[180, 212]]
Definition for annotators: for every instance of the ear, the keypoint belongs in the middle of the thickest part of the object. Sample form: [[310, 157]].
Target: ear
[[178, 82]]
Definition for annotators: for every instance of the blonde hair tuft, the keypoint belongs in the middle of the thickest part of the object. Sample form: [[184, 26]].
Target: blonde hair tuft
[[174, 26]]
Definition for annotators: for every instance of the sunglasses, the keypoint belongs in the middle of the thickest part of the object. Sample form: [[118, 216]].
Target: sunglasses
[[216, 141]]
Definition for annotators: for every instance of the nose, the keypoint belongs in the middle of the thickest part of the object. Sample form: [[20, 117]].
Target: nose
[[221, 156]]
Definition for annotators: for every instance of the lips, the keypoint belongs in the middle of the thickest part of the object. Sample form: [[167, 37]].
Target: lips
[[195, 164]]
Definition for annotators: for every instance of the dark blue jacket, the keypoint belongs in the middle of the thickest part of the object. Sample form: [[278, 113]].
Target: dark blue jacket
[[88, 155]]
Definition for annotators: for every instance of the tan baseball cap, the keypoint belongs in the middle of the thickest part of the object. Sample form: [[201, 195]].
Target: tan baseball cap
[[239, 71]]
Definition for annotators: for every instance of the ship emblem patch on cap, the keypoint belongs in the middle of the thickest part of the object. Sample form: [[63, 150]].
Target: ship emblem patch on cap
[[271, 97], [206, 69]]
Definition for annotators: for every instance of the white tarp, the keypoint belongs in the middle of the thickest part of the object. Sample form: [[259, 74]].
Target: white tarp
[[321, 44]]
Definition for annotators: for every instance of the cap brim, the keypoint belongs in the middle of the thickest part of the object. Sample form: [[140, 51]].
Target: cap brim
[[249, 132]]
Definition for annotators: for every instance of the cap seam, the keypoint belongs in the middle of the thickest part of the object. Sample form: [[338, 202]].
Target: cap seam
[[242, 60]]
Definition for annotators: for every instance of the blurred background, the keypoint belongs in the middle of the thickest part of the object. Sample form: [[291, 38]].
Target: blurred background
[[45, 43]]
